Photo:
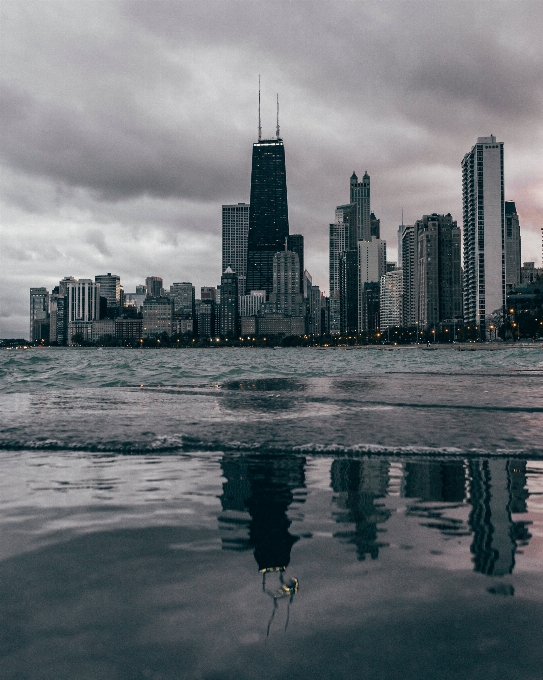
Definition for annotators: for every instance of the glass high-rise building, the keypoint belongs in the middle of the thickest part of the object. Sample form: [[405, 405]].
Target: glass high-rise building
[[512, 246], [235, 232], [228, 306], [268, 213], [484, 242], [295, 243], [39, 314], [110, 288]]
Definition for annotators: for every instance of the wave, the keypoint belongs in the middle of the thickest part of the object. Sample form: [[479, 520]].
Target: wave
[[184, 444]]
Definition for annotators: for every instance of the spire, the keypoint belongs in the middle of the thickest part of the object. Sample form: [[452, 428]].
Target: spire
[[259, 123], [277, 129], [354, 178]]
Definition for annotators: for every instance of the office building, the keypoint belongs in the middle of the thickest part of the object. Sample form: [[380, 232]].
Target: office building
[[39, 314], [438, 284], [102, 330], [235, 234], [484, 238], [286, 298], [360, 195], [268, 212], [391, 300], [209, 293], [228, 306], [348, 291], [529, 273], [295, 243], [182, 296], [110, 288], [375, 226], [339, 237], [207, 319], [371, 267], [83, 307], [157, 317], [249, 305], [369, 311], [314, 314], [512, 246], [408, 263], [154, 286], [129, 329]]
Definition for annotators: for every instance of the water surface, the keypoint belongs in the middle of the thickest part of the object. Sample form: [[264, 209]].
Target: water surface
[[143, 493]]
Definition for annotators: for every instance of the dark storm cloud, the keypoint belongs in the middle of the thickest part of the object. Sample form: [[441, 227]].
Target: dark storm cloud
[[125, 125]]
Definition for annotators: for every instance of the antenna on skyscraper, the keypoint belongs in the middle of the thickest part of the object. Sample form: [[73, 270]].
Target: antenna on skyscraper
[[402, 217], [259, 123], [277, 129]]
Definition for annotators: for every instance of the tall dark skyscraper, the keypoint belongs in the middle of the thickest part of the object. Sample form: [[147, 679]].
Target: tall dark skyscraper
[[268, 212]]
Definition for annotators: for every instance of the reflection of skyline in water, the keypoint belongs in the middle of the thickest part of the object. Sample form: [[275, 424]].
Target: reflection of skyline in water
[[264, 487], [496, 490], [259, 490], [357, 485]]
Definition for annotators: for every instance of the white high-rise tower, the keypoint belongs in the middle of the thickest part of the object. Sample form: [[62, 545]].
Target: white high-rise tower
[[484, 249]]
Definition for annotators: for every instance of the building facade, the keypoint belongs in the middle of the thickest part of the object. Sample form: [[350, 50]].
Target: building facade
[[235, 234], [338, 238], [228, 315], [154, 286], [372, 261], [110, 288], [286, 298], [512, 246], [360, 195], [268, 213], [157, 317], [484, 237], [295, 243], [249, 305], [39, 314], [391, 300]]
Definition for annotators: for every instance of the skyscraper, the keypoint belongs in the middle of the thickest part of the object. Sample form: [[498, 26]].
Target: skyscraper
[[343, 238], [268, 212], [154, 286], [110, 288], [235, 232], [39, 314], [484, 239], [286, 296], [512, 246], [375, 226], [295, 243], [83, 307], [438, 273], [228, 314], [372, 265], [360, 195], [391, 299], [408, 263]]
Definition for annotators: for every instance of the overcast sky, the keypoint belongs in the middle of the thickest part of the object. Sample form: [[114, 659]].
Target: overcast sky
[[125, 125]]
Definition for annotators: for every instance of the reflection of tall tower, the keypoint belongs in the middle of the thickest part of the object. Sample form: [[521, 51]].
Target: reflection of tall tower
[[496, 490], [358, 483], [264, 487]]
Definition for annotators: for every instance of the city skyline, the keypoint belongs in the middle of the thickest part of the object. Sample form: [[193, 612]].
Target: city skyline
[[120, 175]]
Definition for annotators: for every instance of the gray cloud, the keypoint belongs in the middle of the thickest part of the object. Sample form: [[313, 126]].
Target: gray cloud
[[125, 125]]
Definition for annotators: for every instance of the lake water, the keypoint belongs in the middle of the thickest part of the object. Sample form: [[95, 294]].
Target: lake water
[[289, 513]]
